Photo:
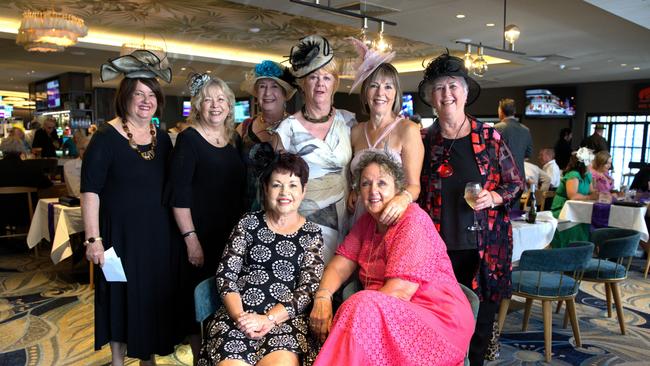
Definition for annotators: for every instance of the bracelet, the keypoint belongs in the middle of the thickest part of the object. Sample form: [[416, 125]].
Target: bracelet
[[92, 240], [323, 297], [408, 194], [329, 293], [185, 235]]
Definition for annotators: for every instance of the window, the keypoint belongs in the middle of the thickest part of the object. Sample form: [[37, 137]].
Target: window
[[628, 140]]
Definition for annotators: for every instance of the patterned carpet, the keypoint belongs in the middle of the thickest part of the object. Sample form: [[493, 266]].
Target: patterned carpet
[[46, 318]]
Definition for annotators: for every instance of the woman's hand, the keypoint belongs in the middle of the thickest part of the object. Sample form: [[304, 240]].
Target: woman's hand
[[95, 252], [320, 319], [194, 251], [352, 201], [254, 326], [487, 199], [394, 209]]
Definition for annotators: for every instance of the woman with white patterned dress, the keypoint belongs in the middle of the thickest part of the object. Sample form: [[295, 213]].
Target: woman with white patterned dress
[[267, 276]]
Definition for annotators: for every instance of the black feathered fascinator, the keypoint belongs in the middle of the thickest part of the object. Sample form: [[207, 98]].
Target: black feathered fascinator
[[447, 65], [310, 54]]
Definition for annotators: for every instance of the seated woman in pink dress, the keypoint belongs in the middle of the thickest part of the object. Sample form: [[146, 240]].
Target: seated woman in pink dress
[[602, 181], [411, 311]]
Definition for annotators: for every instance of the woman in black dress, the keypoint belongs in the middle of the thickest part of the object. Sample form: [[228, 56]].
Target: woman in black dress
[[207, 185], [267, 277], [122, 181]]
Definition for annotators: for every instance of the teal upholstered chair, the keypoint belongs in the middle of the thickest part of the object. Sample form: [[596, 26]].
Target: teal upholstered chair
[[474, 303], [549, 275], [206, 300], [612, 258]]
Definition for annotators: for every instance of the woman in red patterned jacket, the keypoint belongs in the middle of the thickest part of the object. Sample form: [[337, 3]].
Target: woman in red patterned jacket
[[458, 150]]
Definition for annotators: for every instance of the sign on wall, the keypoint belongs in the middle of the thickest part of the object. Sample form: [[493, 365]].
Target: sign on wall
[[642, 97]]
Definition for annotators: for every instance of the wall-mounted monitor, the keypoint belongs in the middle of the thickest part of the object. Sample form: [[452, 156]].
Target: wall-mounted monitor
[[187, 107], [242, 110], [407, 105], [557, 102], [53, 94]]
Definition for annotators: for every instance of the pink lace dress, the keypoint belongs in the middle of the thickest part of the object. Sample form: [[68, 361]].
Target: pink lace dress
[[372, 328]]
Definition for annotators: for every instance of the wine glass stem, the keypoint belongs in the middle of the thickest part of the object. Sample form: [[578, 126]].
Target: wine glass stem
[[475, 221]]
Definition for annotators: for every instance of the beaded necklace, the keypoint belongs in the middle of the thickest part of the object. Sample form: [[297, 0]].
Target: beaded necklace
[[317, 120], [271, 126], [148, 154]]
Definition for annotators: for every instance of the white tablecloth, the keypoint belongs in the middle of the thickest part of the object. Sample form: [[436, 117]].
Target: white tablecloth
[[619, 216], [527, 236], [67, 221]]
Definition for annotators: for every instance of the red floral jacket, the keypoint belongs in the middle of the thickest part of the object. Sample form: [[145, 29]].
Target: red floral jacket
[[499, 173]]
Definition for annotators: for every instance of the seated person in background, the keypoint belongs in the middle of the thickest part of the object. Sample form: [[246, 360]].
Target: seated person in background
[[574, 185], [72, 168], [411, 310], [46, 139], [18, 132], [535, 175], [641, 179], [15, 173], [599, 168], [267, 277], [546, 157]]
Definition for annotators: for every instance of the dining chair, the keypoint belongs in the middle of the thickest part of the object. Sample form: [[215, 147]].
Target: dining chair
[[545, 199], [474, 303], [549, 275], [613, 255], [30, 206], [206, 300]]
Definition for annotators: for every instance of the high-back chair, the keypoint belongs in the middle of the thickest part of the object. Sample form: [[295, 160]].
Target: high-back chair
[[474, 303], [30, 206], [611, 263], [545, 199], [549, 275], [206, 300]]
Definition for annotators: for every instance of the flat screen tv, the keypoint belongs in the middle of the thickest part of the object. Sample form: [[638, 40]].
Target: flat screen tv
[[187, 107], [407, 105], [242, 110], [53, 96], [550, 102]]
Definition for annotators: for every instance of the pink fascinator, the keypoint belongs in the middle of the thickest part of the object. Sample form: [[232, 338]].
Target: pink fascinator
[[368, 61]]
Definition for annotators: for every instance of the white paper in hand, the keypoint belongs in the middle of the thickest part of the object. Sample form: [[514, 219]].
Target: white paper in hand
[[113, 270]]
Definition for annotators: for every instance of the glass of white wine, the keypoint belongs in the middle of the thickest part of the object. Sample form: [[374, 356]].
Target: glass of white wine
[[472, 189]]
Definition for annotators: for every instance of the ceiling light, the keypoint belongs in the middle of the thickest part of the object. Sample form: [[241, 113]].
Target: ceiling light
[[511, 34], [489, 24], [183, 68], [480, 66], [49, 31], [380, 44], [254, 30], [460, 16], [623, 65], [363, 33], [637, 68], [209, 71], [468, 57]]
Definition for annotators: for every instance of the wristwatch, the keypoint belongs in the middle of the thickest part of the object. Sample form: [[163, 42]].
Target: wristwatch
[[271, 317], [92, 240]]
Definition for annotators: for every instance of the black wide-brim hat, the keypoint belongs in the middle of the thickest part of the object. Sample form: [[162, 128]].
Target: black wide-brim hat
[[447, 65]]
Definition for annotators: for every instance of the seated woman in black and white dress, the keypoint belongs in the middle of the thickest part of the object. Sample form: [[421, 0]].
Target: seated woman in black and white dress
[[267, 276]]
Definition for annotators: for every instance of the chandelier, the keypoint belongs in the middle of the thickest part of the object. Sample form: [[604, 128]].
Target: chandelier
[[49, 31]]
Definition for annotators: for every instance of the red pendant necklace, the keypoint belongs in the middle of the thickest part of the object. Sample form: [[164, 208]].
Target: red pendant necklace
[[445, 170]]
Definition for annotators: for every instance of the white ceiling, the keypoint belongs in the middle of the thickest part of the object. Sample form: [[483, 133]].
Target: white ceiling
[[591, 42]]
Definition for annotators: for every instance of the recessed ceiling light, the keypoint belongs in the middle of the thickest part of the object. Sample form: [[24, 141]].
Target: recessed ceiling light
[[11, 78], [460, 16], [254, 30], [209, 71], [575, 68], [637, 68], [489, 24], [183, 68], [623, 65]]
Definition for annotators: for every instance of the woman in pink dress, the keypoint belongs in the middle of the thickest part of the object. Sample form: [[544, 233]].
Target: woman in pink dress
[[411, 311], [599, 168]]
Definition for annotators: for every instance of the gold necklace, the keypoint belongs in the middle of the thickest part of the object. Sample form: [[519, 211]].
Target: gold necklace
[[372, 256], [271, 126], [209, 136], [147, 154]]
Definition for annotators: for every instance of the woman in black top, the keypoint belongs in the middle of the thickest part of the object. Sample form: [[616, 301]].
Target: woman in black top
[[206, 189], [122, 180]]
